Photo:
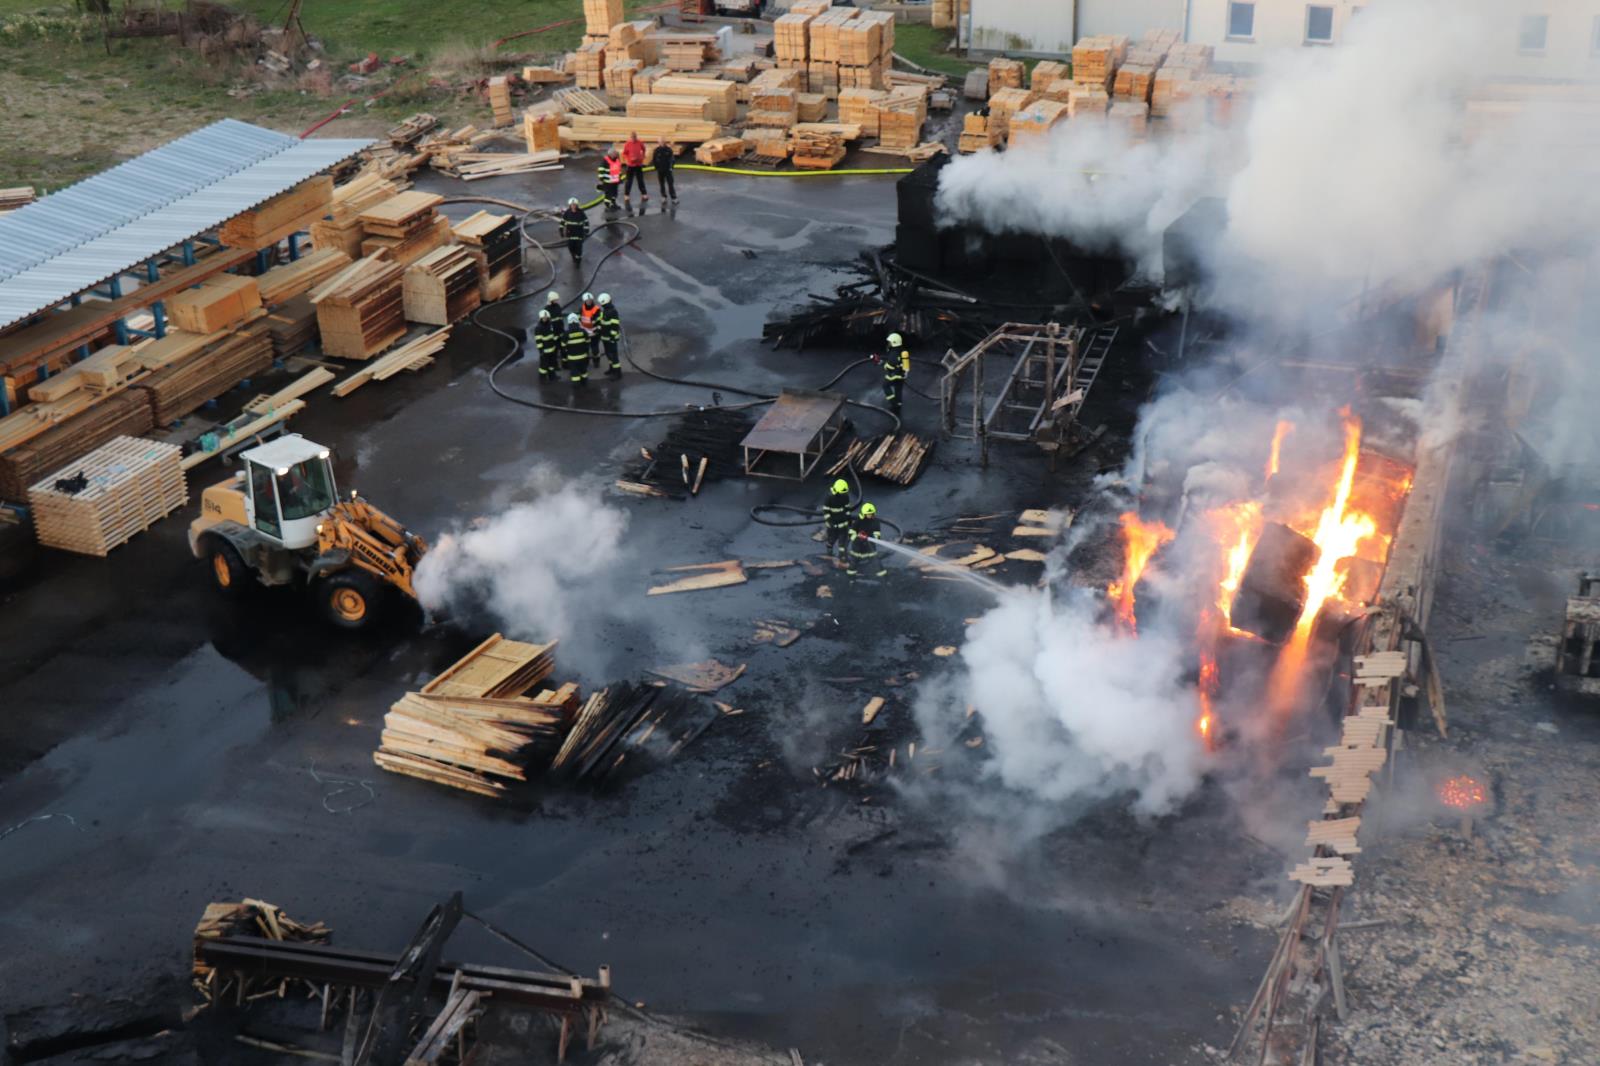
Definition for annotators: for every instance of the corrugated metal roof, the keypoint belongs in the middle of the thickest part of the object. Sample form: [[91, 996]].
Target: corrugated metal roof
[[102, 251]]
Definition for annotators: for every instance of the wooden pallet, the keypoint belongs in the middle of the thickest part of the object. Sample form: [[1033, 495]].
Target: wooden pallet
[[131, 484], [496, 669]]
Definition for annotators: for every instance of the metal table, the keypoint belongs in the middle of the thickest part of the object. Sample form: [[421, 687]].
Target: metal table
[[801, 425]]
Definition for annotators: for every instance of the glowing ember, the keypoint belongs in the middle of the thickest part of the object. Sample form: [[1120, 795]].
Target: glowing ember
[[1282, 430], [1140, 540], [1207, 687], [1463, 792]]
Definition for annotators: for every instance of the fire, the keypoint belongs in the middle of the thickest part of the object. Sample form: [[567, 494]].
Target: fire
[[1207, 687], [1237, 526], [1280, 431], [1141, 540], [1463, 792]]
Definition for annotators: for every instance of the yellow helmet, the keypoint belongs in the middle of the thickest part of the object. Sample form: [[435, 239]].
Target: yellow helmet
[[841, 485], [867, 510], [895, 340]]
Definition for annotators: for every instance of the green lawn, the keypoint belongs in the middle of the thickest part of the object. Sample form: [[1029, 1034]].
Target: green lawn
[[926, 47]]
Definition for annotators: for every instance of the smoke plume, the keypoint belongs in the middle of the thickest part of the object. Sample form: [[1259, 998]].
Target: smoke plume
[[528, 564]]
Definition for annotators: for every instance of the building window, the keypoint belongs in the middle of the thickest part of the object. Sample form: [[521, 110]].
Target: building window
[[1531, 33], [1319, 24], [1242, 21]]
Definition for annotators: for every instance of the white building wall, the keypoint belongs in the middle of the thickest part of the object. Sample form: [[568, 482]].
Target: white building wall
[[1018, 27], [1130, 18]]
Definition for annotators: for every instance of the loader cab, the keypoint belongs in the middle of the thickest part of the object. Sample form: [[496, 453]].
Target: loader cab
[[288, 487]]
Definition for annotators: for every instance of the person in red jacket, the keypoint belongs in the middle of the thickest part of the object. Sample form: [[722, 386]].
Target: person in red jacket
[[633, 161]]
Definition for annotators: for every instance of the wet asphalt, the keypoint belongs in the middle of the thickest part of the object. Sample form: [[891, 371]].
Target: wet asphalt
[[186, 737]]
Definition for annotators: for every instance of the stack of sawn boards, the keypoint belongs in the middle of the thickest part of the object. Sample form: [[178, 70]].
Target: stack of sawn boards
[[103, 499]]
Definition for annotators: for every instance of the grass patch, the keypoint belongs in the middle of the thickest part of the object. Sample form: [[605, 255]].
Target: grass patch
[[927, 47]]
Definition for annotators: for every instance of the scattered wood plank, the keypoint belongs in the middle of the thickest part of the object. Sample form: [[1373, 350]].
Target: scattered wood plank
[[708, 576], [870, 711]]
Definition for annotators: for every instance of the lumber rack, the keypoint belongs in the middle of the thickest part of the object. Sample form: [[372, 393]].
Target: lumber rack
[[800, 424]]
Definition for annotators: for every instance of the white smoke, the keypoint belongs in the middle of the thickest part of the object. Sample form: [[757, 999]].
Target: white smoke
[[529, 565], [1072, 711]]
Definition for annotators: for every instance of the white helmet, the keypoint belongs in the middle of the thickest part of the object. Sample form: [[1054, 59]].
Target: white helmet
[[895, 340], [572, 201], [588, 297], [572, 320], [605, 298], [554, 297], [544, 316]]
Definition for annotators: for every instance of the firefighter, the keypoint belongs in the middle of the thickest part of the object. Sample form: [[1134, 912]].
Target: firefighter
[[864, 531], [836, 518], [552, 303], [575, 347], [608, 175], [610, 334], [896, 366], [547, 339], [589, 315], [575, 228]]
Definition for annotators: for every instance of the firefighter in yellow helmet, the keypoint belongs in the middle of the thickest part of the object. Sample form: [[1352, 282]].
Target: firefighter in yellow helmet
[[836, 518], [896, 364], [864, 534]]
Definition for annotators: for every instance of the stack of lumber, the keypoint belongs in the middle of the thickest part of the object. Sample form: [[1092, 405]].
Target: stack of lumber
[[791, 35], [1160, 41], [612, 129], [342, 228], [632, 41], [600, 15], [474, 727], [1225, 95], [52, 444], [1170, 88], [1005, 74], [101, 500], [541, 131], [722, 97], [773, 107], [587, 66], [645, 80], [183, 385], [300, 276], [872, 76], [499, 90], [1186, 56], [544, 75], [860, 107], [668, 106], [823, 77], [360, 310], [685, 51], [810, 107], [894, 457], [410, 357], [1131, 115], [825, 33], [441, 287], [1003, 103], [811, 7], [620, 74], [622, 723], [288, 212], [719, 150], [407, 133], [216, 303], [814, 149], [104, 372], [1051, 80], [780, 78], [901, 115], [292, 325], [1032, 125], [947, 14], [867, 40], [1088, 101], [15, 197], [977, 133], [406, 226], [1095, 59], [1134, 81], [495, 244], [769, 146]]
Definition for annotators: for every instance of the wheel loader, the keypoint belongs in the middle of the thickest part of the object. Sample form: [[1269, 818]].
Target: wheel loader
[[280, 520]]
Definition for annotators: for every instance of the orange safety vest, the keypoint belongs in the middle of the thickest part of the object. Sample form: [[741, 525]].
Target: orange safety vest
[[591, 316]]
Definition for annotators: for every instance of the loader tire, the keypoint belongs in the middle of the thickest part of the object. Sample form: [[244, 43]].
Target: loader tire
[[350, 599], [229, 576]]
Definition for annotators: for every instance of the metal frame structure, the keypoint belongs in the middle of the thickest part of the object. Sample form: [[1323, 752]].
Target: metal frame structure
[[801, 423]]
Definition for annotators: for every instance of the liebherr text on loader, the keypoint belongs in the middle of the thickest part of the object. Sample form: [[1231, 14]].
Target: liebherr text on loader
[[281, 520]]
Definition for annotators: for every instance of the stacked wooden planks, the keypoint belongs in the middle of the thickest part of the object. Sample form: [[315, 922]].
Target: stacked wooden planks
[[407, 226], [865, 46], [182, 386], [722, 96], [816, 149], [669, 106], [216, 303], [15, 197], [125, 413], [1051, 80], [107, 370], [1134, 81], [1088, 101], [773, 107], [1095, 59], [360, 310], [686, 51], [894, 457], [441, 287], [790, 36], [977, 134], [1005, 74], [408, 132], [301, 276], [474, 727], [860, 107], [823, 77], [719, 150], [409, 357], [900, 116], [495, 244], [1032, 125], [342, 228], [632, 41], [610, 129], [825, 29], [600, 15], [769, 146], [620, 75], [541, 131], [810, 107], [1004, 103], [288, 212], [587, 66], [292, 325], [500, 100], [101, 500]]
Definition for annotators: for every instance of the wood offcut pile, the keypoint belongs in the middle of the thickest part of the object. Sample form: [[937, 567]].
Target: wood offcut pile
[[361, 310], [816, 149], [102, 499], [410, 357], [288, 212], [629, 722], [251, 917], [495, 244], [894, 457], [441, 287], [700, 446], [475, 727]]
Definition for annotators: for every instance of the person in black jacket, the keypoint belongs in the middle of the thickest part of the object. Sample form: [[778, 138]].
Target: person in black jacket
[[836, 518], [662, 159], [575, 228], [547, 339], [864, 533]]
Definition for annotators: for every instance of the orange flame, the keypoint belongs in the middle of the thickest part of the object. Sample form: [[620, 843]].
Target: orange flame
[[1207, 688], [1280, 431], [1140, 540], [1463, 792], [1238, 526]]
